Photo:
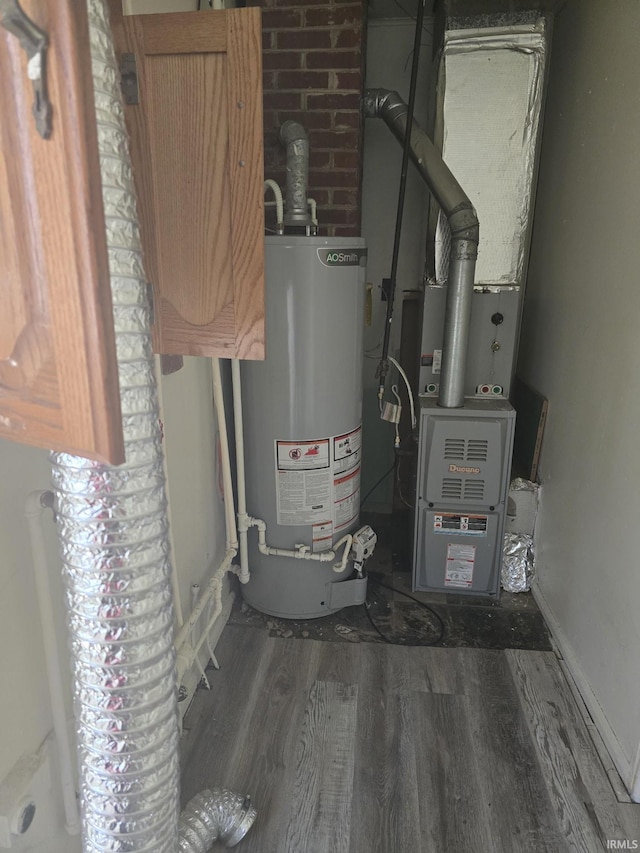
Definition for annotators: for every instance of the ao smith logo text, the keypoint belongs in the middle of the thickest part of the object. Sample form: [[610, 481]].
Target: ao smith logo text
[[342, 257], [459, 469]]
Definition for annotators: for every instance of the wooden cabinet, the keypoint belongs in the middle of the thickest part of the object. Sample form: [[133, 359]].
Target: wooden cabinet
[[196, 136], [58, 375]]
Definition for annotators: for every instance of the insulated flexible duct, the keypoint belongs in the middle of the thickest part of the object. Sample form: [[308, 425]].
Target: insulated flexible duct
[[463, 222], [113, 530], [211, 816]]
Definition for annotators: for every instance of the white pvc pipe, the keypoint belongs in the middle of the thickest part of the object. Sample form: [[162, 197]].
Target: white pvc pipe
[[301, 552], [33, 510], [227, 484], [240, 471]]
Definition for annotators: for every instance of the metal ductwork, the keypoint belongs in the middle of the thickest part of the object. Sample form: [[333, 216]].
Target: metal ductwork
[[463, 223], [214, 816], [113, 530], [294, 137]]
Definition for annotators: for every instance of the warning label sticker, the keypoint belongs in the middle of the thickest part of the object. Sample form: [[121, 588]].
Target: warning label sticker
[[464, 525], [302, 455], [346, 451], [322, 536], [318, 483], [460, 562], [437, 361]]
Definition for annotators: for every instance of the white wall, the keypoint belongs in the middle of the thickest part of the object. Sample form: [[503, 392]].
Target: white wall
[[581, 348], [389, 56]]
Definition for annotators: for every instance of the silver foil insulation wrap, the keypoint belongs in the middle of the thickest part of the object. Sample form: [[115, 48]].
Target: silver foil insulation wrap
[[112, 524], [218, 815], [517, 562]]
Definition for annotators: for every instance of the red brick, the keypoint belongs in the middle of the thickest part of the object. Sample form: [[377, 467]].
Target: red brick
[[345, 197], [333, 17], [310, 121], [303, 40], [335, 140], [319, 159], [303, 80], [347, 80], [279, 60], [334, 59], [268, 41], [282, 101], [334, 101], [333, 178], [347, 120], [346, 160], [268, 81], [280, 19], [351, 37], [321, 197], [353, 231], [342, 217]]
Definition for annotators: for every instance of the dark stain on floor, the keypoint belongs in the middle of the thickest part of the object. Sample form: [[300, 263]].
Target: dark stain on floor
[[511, 622]]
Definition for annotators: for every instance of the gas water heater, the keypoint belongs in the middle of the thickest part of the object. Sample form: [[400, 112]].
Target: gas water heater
[[303, 439]]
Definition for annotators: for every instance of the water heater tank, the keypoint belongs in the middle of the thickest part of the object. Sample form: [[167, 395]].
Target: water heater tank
[[303, 434]]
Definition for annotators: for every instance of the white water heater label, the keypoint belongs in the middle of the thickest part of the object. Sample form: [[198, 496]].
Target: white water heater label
[[436, 365], [303, 482], [460, 563], [318, 484]]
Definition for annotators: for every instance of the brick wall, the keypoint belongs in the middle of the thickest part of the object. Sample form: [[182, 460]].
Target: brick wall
[[313, 59]]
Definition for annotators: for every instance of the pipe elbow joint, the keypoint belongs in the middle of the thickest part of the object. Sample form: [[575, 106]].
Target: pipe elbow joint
[[292, 131], [464, 224]]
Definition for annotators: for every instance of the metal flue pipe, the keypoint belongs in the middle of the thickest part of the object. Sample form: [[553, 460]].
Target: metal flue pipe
[[464, 226], [294, 137]]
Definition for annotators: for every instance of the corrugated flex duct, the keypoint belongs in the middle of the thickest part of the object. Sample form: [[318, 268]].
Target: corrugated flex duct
[[113, 528]]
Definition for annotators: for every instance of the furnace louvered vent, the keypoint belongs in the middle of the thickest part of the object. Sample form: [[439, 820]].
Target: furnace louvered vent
[[452, 488], [463, 450], [454, 448], [474, 490]]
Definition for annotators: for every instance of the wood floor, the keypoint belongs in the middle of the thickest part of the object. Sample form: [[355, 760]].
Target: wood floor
[[370, 748]]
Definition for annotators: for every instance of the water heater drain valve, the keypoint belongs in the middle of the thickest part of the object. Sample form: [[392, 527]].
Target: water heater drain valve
[[363, 546]]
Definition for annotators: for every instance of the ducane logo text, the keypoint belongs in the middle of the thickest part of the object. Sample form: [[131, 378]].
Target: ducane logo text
[[459, 469]]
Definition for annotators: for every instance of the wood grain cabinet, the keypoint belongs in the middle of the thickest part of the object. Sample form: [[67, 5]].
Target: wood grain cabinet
[[197, 151], [58, 374]]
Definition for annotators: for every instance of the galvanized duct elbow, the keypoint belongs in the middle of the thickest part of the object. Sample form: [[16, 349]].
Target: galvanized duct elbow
[[465, 229], [217, 815], [294, 137]]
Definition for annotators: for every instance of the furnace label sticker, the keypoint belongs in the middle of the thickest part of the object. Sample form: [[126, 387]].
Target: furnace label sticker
[[437, 361], [303, 482], [460, 563], [346, 451], [464, 525]]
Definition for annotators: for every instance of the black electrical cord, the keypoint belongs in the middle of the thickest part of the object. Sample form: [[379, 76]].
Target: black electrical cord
[[436, 616], [380, 480], [383, 366]]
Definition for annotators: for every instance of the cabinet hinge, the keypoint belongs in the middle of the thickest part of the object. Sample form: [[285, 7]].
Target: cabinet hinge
[[129, 78]]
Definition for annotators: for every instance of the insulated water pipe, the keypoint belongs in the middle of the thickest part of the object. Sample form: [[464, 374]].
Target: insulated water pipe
[[463, 223]]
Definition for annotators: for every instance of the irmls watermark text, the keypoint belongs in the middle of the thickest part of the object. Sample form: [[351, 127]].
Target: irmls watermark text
[[626, 844]]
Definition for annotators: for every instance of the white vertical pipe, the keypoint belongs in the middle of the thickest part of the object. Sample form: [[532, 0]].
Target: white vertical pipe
[[241, 485], [34, 506], [227, 484]]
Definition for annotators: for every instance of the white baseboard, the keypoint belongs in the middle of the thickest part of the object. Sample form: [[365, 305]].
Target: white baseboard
[[629, 774]]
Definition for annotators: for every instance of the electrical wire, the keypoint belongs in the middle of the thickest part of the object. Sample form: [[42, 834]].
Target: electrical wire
[[409, 391], [377, 483], [440, 623]]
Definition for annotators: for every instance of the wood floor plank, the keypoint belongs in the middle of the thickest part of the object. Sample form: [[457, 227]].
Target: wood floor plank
[[454, 814], [385, 807], [320, 816], [580, 791]]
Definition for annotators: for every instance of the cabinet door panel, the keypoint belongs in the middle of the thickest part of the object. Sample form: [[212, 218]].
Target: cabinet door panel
[[58, 373], [196, 138]]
